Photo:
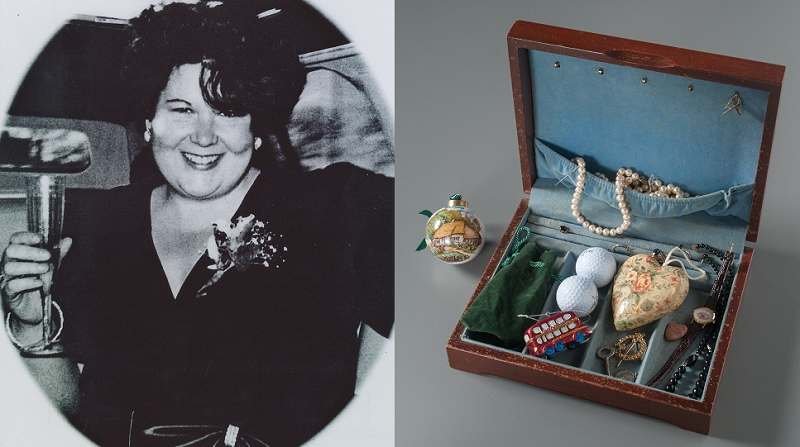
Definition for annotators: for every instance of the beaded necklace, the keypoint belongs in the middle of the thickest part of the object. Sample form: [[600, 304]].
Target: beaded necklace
[[708, 342], [620, 196], [626, 178]]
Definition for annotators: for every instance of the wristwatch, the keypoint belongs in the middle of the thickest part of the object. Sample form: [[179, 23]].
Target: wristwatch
[[701, 317]]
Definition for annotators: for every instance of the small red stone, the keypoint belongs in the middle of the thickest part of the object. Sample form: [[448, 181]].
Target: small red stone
[[675, 331]]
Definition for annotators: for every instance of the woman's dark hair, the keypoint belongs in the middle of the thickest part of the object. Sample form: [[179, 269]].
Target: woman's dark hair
[[248, 64]]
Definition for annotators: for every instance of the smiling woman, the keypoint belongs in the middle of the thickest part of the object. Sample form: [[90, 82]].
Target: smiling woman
[[186, 335], [206, 158], [207, 152]]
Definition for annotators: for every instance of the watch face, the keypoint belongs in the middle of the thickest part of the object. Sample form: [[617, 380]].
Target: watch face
[[703, 315]]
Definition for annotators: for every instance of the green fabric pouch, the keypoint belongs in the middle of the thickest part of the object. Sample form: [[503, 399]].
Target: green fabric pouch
[[519, 288]]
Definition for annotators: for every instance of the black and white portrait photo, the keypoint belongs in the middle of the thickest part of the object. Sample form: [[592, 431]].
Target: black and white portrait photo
[[197, 223]]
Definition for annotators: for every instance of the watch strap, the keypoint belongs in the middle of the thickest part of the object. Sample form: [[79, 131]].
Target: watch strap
[[694, 329], [686, 342]]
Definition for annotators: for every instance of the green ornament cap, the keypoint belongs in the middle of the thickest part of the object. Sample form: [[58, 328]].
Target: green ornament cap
[[455, 200]]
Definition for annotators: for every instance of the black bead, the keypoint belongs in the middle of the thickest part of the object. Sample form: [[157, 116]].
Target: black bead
[[673, 381], [697, 391], [670, 388], [705, 369], [682, 369], [690, 361], [678, 375], [702, 376], [700, 384]]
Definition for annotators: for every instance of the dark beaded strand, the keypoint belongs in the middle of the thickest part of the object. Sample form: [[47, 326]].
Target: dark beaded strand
[[708, 342], [711, 250], [707, 258]]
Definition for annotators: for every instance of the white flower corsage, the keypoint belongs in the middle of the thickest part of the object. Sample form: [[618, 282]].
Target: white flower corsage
[[240, 245]]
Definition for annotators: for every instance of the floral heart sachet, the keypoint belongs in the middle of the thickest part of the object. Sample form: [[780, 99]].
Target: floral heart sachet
[[645, 291]]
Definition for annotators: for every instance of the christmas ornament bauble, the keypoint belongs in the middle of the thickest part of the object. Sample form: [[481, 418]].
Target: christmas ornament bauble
[[577, 294], [597, 264], [453, 234]]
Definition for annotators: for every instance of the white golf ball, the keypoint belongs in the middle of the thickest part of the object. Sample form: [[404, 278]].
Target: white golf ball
[[577, 294], [597, 264]]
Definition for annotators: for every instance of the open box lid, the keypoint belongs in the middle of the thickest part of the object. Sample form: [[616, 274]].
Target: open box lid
[[660, 110]]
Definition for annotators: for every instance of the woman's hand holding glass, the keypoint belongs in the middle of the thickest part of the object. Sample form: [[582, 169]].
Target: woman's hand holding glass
[[27, 272]]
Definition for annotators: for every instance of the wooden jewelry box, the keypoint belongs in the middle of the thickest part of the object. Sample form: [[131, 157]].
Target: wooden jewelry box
[[701, 121]]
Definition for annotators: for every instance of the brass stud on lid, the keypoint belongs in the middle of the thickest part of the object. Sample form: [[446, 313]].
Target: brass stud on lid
[[600, 70], [690, 88], [644, 80], [557, 64]]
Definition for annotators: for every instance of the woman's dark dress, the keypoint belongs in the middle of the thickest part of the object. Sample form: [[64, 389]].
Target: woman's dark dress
[[272, 350]]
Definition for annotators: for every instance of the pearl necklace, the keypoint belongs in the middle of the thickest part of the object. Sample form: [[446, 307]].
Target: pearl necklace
[[625, 179], [620, 196], [652, 186]]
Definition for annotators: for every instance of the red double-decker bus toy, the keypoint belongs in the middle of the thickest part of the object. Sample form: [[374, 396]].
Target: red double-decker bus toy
[[559, 331]]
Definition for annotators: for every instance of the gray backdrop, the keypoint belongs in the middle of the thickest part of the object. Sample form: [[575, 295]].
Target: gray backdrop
[[456, 134]]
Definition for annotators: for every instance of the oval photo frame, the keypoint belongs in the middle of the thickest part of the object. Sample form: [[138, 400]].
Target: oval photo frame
[[26, 28]]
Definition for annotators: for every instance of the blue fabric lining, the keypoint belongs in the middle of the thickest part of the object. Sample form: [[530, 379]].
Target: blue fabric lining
[[552, 202], [718, 219], [659, 127], [669, 126], [733, 201]]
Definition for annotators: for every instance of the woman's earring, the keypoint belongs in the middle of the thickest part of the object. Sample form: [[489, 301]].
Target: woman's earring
[[257, 143], [148, 135]]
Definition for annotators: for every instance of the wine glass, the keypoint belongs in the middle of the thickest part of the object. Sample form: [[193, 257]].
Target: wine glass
[[45, 157], [45, 203]]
